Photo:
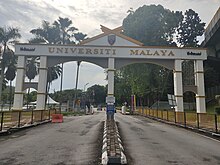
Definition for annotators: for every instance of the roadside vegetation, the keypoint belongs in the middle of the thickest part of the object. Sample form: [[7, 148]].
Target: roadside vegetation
[[153, 25]]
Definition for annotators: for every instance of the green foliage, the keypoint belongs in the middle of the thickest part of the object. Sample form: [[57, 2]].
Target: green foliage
[[155, 25], [53, 73], [61, 31], [217, 110], [65, 95], [97, 94], [152, 25], [45, 34], [211, 77], [8, 35], [31, 96], [31, 68], [190, 29], [146, 81], [10, 72], [67, 31]]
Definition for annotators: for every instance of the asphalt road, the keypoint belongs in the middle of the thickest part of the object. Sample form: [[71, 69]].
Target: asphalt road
[[148, 142], [76, 141]]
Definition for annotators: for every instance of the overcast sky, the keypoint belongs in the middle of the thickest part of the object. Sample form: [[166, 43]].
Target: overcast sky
[[87, 15]]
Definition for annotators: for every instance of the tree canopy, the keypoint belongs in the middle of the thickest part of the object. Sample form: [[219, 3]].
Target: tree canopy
[[190, 28], [155, 25], [152, 25]]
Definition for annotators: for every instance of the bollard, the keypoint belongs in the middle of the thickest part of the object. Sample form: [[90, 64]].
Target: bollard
[[2, 117], [19, 118], [197, 118], [184, 117], [216, 124], [32, 116]]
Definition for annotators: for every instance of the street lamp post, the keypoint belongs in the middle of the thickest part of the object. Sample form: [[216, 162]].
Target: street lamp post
[[84, 97], [84, 89], [77, 76]]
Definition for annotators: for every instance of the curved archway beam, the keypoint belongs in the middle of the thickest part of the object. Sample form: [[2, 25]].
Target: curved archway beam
[[30, 85]]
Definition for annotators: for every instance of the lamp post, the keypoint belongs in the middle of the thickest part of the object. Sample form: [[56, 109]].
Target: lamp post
[[77, 77], [84, 89], [84, 96]]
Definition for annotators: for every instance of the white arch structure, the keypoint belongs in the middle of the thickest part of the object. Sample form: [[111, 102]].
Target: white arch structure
[[110, 50]]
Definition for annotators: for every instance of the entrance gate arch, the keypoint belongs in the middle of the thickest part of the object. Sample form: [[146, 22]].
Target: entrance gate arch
[[111, 50]]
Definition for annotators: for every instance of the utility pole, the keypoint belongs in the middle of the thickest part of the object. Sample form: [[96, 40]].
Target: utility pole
[[77, 77]]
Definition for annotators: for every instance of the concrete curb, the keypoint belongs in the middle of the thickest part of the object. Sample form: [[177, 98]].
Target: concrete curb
[[104, 146], [105, 156], [16, 129]]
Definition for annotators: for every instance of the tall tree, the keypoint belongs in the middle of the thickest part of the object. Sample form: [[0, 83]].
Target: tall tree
[[31, 72], [60, 32], [66, 30], [7, 36], [152, 25], [97, 94], [190, 28], [46, 34], [10, 72], [53, 74], [31, 68], [68, 35]]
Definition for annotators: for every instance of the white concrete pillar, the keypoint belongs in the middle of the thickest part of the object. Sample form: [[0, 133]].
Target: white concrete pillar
[[111, 72], [19, 93], [42, 83], [178, 85], [200, 96], [110, 99]]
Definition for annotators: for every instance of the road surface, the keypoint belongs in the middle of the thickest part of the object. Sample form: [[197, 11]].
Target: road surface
[[148, 142], [76, 141]]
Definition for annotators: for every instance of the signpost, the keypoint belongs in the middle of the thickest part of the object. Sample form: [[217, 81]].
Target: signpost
[[110, 107], [172, 103]]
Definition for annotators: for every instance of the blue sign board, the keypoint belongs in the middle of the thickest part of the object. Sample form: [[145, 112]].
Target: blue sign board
[[110, 108]]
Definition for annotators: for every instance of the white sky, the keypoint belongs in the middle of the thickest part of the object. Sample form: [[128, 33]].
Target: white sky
[[87, 15]]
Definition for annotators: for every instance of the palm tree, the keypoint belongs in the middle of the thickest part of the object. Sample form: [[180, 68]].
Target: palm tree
[[10, 76], [46, 34], [62, 32], [7, 36], [53, 74], [66, 30], [31, 68], [31, 72], [79, 36]]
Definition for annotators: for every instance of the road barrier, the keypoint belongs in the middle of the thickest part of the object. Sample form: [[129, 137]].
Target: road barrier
[[17, 119], [57, 118], [112, 149], [209, 122]]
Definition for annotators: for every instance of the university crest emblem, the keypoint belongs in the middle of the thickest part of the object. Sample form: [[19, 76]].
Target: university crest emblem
[[111, 39]]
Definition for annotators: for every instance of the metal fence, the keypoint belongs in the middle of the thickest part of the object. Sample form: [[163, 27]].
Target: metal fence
[[17, 119], [209, 122]]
